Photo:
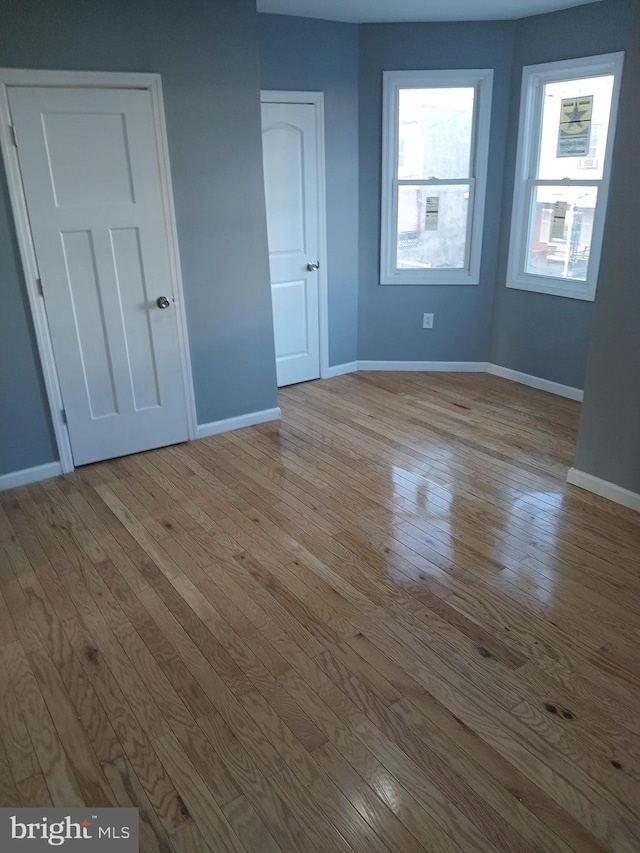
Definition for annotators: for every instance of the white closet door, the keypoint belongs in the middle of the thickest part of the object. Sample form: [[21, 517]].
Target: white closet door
[[291, 190], [90, 171]]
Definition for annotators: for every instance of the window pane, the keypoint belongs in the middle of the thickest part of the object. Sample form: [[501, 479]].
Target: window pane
[[432, 226], [560, 230], [435, 130], [575, 118]]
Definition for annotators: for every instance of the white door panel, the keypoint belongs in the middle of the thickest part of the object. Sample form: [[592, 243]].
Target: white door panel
[[291, 192], [290, 311], [283, 154], [90, 171]]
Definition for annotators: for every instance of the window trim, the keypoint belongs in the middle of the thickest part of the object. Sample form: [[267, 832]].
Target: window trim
[[393, 81], [534, 77]]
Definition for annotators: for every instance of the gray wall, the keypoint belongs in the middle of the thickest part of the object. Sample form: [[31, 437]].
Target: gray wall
[[535, 333], [302, 54], [207, 54], [26, 437], [390, 317], [609, 437]]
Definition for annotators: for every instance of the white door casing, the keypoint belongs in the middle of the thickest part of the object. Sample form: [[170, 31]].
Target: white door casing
[[92, 174], [293, 202]]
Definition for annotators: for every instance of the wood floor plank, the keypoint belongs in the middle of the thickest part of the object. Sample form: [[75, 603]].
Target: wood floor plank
[[84, 763], [419, 818], [220, 696], [249, 827], [13, 731], [445, 812], [56, 768], [437, 772], [384, 623], [386, 825], [197, 798], [34, 790], [9, 791], [129, 729], [129, 794], [87, 707], [277, 814], [514, 783]]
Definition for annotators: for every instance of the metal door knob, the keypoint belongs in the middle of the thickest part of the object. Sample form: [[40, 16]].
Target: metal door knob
[[313, 266], [162, 302]]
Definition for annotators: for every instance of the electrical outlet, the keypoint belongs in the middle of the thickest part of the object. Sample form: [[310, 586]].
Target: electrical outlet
[[427, 321]]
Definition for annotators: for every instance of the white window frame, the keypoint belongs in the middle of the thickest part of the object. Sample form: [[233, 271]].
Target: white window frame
[[534, 78], [482, 81]]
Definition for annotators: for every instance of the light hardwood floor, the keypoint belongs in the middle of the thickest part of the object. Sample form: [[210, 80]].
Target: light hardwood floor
[[383, 624]]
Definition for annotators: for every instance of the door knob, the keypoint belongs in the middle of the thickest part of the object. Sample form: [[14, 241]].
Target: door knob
[[313, 266], [162, 302]]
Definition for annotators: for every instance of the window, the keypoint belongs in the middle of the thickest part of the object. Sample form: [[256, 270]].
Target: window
[[567, 122], [434, 173]]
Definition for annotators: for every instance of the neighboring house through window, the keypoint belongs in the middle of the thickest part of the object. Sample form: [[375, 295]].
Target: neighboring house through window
[[434, 173], [565, 140]]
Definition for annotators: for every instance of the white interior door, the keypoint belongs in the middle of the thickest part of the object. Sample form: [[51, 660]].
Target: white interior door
[[291, 188], [90, 171]]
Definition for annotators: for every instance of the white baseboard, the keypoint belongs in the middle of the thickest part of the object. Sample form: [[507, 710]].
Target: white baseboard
[[463, 367], [604, 488], [251, 419], [536, 382], [30, 475], [341, 369], [427, 366]]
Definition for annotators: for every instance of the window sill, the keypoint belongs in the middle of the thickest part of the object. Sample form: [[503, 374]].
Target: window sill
[[456, 279], [565, 288]]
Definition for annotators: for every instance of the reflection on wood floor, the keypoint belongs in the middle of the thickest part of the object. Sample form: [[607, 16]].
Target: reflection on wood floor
[[383, 624]]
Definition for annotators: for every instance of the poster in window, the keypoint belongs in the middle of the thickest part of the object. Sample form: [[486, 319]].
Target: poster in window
[[574, 133], [431, 213], [560, 209]]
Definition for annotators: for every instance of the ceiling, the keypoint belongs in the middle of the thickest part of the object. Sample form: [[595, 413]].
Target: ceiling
[[372, 11]]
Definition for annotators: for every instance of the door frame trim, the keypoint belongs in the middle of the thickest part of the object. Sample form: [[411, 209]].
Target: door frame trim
[[316, 99], [103, 80]]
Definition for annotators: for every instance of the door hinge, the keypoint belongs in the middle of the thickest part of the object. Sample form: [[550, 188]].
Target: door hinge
[[14, 135], [39, 286], [63, 415]]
